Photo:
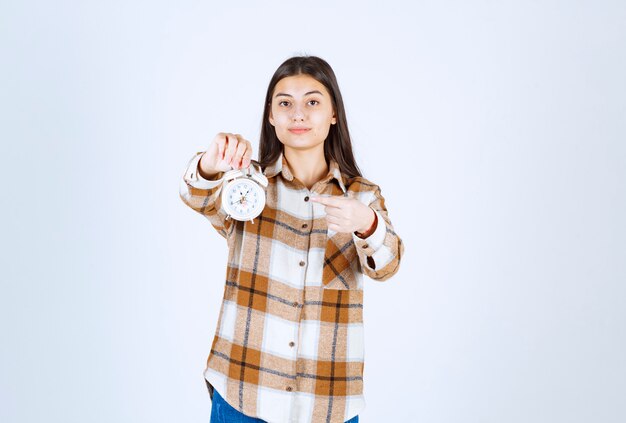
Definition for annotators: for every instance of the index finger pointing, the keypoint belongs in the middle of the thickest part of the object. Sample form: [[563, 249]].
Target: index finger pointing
[[327, 200]]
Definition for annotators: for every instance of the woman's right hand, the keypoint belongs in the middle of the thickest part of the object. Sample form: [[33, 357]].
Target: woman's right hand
[[226, 151]]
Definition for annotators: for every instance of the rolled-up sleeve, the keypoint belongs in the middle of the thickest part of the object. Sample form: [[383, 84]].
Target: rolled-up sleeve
[[204, 196], [381, 252]]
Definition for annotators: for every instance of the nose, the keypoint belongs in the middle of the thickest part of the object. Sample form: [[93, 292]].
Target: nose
[[298, 114]]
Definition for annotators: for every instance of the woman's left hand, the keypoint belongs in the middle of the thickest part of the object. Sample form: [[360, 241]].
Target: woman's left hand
[[346, 214]]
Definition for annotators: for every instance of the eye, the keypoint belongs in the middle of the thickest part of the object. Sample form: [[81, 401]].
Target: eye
[[314, 101], [280, 103]]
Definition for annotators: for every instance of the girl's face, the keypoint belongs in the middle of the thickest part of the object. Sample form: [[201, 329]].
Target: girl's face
[[301, 112]]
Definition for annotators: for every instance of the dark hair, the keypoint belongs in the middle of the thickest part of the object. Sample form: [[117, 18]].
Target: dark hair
[[337, 144]]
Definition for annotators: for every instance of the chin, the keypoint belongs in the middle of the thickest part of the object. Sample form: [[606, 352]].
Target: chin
[[301, 145], [297, 143]]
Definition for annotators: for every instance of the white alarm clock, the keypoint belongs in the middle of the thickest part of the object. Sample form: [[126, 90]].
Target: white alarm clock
[[243, 192]]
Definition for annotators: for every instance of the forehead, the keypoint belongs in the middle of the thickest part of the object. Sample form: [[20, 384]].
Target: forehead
[[298, 85]]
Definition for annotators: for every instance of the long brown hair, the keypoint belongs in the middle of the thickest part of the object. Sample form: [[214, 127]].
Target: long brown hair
[[337, 144]]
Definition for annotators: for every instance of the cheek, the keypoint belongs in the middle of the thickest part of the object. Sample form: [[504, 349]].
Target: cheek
[[322, 127], [281, 121], [322, 120]]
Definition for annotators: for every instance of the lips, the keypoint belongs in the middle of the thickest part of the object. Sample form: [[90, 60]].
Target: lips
[[299, 130]]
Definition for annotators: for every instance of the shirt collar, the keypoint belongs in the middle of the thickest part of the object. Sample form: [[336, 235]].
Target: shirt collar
[[281, 166]]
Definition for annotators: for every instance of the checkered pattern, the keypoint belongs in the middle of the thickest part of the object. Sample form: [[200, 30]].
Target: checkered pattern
[[288, 346]]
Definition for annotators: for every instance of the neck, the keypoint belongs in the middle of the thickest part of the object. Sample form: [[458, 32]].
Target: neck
[[308, 166]]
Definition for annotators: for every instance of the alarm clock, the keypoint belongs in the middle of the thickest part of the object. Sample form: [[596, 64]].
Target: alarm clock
[[243, 192]]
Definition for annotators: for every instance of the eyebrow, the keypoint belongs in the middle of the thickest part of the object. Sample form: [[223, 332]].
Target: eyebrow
[[289, 95]]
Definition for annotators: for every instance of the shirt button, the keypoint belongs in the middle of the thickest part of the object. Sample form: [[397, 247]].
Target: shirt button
[[289, 388], [365, 245], [302, 263], [304, 226], [306, 198], [291, 344], [295, 304]]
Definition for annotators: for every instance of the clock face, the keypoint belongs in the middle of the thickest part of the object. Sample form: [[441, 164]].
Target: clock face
[[243, 199]]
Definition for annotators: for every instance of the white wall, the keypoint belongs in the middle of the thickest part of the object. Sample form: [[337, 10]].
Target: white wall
[[495, 129]]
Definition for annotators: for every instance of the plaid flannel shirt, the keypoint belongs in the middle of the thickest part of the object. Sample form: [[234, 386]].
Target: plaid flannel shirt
[[289, 342]]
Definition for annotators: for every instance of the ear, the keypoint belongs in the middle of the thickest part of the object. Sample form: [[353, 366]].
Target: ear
[[334, 119], [271, 119]]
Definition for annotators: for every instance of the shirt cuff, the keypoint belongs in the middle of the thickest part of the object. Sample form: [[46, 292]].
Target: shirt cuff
[[192, 175], [375, 240]]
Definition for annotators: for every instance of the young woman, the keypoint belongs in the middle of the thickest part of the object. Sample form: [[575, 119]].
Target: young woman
[[289, 342]]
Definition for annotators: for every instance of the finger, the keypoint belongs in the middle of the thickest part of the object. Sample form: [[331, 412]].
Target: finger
[[330, 200], [338, 219], [334, 212], [220, 140], [231, 149], [335, 220], [244, 151], [247, 156], [241, 149]]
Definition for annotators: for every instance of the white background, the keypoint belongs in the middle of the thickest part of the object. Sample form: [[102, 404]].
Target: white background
[[495, 129]]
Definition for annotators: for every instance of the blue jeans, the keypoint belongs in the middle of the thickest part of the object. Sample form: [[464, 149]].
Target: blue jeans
[[223, 412]]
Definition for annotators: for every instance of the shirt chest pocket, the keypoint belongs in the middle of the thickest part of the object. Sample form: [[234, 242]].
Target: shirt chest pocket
[[339, 257]]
